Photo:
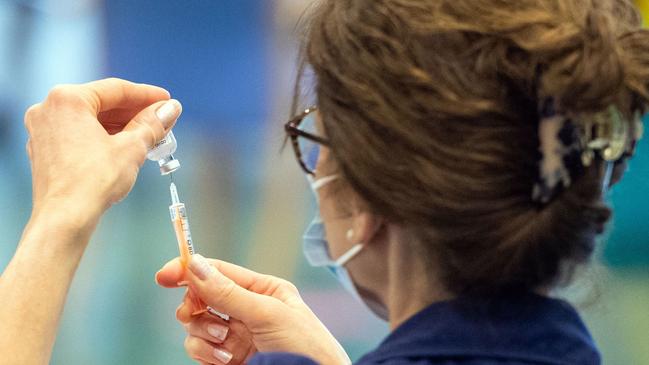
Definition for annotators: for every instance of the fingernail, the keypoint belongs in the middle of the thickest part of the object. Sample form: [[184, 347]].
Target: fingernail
[[222, 355], [200, 267], [168, 112], [217, 331]]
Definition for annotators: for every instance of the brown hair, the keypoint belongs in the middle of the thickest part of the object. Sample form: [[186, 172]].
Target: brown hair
[[431, 108]]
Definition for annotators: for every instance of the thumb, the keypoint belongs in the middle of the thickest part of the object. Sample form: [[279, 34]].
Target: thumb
[[151, 124], [226, 296]]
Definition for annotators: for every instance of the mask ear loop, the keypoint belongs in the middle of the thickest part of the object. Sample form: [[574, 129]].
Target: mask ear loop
[[344, 259], [317, 184]]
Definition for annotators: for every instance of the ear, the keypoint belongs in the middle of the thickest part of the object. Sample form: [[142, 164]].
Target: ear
[[365, 228]]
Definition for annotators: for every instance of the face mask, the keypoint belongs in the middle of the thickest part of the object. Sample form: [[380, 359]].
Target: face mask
[[316, 251]]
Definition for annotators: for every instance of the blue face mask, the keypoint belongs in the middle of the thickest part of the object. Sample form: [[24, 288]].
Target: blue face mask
[[316, 251]]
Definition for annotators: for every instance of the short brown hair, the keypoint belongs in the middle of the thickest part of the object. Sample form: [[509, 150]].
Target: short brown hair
[[431, 107]]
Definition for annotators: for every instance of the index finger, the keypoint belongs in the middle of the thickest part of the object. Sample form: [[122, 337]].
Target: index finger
[[173, 272], [114, 93]]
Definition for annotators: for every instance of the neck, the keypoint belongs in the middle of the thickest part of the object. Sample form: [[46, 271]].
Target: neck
[[412, 281]]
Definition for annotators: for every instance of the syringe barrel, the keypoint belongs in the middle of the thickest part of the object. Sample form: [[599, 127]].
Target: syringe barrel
[[180, 222]]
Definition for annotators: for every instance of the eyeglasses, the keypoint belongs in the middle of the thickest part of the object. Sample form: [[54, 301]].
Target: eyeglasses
[[306, 143]]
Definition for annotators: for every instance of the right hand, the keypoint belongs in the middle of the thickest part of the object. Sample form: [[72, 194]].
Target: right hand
[[269, 307], [87, 143]]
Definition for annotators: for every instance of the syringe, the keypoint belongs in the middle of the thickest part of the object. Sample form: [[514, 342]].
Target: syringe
[[180, 222], [181, 226]]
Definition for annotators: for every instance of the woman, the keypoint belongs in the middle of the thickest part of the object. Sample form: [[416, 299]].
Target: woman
[[460, 153]]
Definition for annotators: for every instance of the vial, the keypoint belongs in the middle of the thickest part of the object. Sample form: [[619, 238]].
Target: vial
[[162, 152]]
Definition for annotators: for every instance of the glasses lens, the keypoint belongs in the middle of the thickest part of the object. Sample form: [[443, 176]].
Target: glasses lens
[[308, 148]]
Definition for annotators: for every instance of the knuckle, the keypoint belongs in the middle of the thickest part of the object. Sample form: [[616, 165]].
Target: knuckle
[[112, 79], [63, 93], [192, 347], [190, 344], [31, 111], [280, 283], [181, 316], [59, 91], [30, 114], [267, 280], [117, 82], [225, 294], [288, 285]]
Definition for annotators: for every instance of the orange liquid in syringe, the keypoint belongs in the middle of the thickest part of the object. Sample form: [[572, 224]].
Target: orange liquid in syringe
[[184, 238]]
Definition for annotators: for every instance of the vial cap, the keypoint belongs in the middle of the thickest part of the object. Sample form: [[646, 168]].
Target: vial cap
[[168, 166]]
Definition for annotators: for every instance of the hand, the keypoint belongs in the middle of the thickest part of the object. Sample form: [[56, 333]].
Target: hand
[[269, 307], [212, 340], [87, 142]]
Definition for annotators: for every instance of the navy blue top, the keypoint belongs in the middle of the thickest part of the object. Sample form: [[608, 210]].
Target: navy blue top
[[515, 330]]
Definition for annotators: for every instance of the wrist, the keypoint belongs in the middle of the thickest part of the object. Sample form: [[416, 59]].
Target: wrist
[[66, 217]]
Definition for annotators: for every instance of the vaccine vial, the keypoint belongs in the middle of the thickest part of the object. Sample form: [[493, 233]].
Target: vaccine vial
[[162, 153]]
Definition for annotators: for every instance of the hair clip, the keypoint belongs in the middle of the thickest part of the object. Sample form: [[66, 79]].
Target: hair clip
[[608, 133], [567, 148], [560, 153]]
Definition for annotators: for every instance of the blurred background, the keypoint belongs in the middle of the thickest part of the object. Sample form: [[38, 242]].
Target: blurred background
[[232, 65]]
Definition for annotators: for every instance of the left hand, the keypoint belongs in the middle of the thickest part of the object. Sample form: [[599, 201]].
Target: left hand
[[270, 308]]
